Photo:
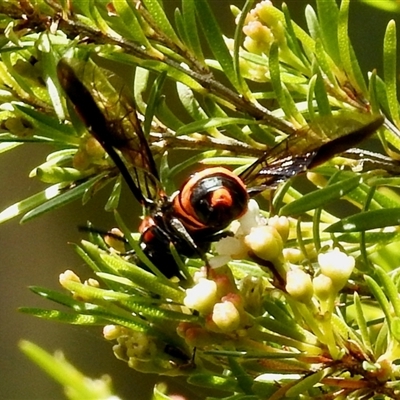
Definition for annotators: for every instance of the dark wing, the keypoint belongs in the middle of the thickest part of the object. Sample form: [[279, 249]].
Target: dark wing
[[307, 148], [111, 118]]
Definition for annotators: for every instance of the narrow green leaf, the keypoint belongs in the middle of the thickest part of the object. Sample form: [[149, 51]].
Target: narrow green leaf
[[348, 59], [152, 102], [10, 76], [361, 322], [380, 200], [326, 64], [66, 318], [382, 339], [167, 116], [58, 297], [86, 257], [215, 40], [328, 26], [283, 329], [324, 108], [141, 81], [92, 255], [128, 14], [390, 289], [191, 161], [213, 382], [155, 313], [163, 25], [275, 74], [313, 23], [49, 61], [59, 200], [311, 104], [190, 103], [204, 125], [367, 220], [291, 36], [292, 106], [31, 202], [395, 328], [283, 95], [386, 5], [244, 380], [6, 146], [179, 23], [48, 126], [76, 385], [372, 90], [178, 75], [390, 70], [307, 383], [95, 16], [380, 297], [320, 198], [381, 95], [132, 322], [191, 29], [142, 278], [114, 304], [237, 47], [59, 174], [113, 198]]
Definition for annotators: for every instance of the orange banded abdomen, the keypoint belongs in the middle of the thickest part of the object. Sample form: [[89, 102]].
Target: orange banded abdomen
[[210, 200]]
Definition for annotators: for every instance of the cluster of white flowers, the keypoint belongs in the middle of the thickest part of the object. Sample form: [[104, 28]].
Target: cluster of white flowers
[[253, 233], [335, 270]]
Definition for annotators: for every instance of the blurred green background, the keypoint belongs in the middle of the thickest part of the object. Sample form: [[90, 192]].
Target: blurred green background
[[36, 253]]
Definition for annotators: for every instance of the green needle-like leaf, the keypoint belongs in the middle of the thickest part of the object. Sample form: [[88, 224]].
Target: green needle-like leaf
[[347, 56], [158, 14], [361, 322], [390, 70], [320, 197], [62, 199], [390, 289], [367, 220], [77, 386], [380, 297], [191, 29], [215, 40], [328, 16]]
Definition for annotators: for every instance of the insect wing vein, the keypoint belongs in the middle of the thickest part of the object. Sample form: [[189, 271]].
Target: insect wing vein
[[111, 118], [307, 148]]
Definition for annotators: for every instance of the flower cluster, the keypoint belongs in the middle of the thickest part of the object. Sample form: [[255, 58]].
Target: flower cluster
[[253, 234], [264, 27], [146, 353], [335, 270]]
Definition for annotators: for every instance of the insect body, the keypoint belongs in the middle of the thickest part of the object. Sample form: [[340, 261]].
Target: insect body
[[209, 200]]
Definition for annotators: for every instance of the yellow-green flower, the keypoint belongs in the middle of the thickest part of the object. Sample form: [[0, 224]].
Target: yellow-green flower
[[338, 266]]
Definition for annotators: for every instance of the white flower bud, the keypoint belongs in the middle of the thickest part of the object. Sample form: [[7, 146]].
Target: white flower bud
[[265, 242], [323, 287], [68, 276], [226, 316], [112, 332], [202, 296], [281, 224], [336, 265], [292, 255], [299, 286], [232, 247]]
